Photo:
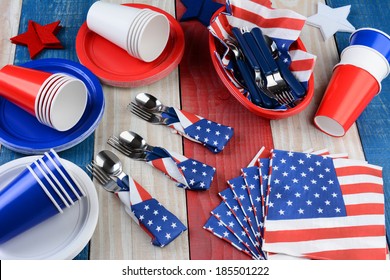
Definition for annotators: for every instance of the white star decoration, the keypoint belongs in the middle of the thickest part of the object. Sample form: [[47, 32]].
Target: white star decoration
[[330, 20]]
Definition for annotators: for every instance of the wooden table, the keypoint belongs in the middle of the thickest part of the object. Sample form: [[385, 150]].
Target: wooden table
[[194, 86]]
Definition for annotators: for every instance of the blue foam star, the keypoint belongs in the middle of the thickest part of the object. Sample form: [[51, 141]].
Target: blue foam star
[[201, 10]]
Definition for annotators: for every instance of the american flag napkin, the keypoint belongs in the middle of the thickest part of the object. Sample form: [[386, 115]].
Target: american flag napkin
[[224, 216], [282, 25], [324, 208], [187, 172], [212, 135], [158, 222], [220, 230], [310, 205]]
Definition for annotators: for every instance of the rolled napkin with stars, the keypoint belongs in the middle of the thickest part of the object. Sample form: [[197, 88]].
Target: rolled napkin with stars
[[214, 136], [158, 222], [187, 172]]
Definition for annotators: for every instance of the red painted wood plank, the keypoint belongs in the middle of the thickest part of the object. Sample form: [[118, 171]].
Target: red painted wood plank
[[204, 94]]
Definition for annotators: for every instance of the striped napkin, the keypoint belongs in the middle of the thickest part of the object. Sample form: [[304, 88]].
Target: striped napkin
[[305, 205], [187, 172]]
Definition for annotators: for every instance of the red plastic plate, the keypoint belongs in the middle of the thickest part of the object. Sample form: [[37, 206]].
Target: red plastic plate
[[115, 67]]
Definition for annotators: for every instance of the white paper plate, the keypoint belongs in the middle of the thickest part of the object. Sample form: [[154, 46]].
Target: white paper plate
[[64, 235]]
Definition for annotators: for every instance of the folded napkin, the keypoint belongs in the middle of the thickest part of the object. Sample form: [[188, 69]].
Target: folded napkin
[[306, 205], [158, 222], [282, 25], [332, 208], [220, 230], [187, 172], [212, 135]]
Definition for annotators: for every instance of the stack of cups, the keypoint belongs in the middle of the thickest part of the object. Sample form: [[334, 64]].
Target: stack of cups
[[143, 33], [56, 100], [39, 192], [355, 81]]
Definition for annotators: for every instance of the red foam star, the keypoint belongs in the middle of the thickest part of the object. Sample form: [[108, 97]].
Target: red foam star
[[39, 37]]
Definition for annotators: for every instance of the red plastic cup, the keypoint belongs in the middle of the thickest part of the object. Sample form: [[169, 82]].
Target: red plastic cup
[[21, 86], [350, 90]]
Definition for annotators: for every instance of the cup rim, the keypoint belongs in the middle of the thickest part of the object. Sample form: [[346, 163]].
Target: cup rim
[[63, 175], [41, 94], [50, 172], [57, 122], [49, 98], [370, 29], [51, 184]]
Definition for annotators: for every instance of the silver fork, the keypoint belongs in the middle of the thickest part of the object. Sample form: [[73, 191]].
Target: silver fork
[[276, 85], [114, 142], [147, 116], [106, 181]]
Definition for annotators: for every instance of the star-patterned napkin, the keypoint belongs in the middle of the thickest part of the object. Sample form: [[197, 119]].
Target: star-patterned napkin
[[187, 172], [306, 205], [158, 222], [210, 134]]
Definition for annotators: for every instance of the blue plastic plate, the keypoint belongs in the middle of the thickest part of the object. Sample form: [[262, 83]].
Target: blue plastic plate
[[21, 132]]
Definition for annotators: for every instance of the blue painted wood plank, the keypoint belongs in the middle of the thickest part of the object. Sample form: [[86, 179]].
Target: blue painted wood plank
[[72, 14], [374, 123]]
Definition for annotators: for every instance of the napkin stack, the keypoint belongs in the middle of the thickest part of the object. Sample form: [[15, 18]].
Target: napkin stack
[[308, 205]]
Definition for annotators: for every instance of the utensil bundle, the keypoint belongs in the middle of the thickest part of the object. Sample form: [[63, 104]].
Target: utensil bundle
[[214, 136], [146, 211], [257, 63], [310, 205], [187, 172]]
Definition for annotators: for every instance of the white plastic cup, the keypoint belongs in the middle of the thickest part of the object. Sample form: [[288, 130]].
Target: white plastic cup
[[143, 33], [153, 38], [368, 59], [112, 21], [68, 105], [45, 100]]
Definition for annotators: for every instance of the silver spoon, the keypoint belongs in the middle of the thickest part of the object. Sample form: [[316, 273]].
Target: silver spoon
[[134, 142], [150, 103], [111, 164]]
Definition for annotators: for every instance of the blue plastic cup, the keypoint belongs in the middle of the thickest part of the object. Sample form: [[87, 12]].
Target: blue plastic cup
[[372, 38], [51, 183], [66, 181], [24, 203]]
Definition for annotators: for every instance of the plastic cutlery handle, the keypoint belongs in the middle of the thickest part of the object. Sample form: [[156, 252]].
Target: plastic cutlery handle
[[297, 88], [250, 83], [257, 53], [259, 39], [245, 48]]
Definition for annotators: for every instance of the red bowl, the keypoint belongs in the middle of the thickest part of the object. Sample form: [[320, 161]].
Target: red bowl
[[266, 113]]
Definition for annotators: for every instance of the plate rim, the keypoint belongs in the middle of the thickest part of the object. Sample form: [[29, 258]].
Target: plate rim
[[89, 226]]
